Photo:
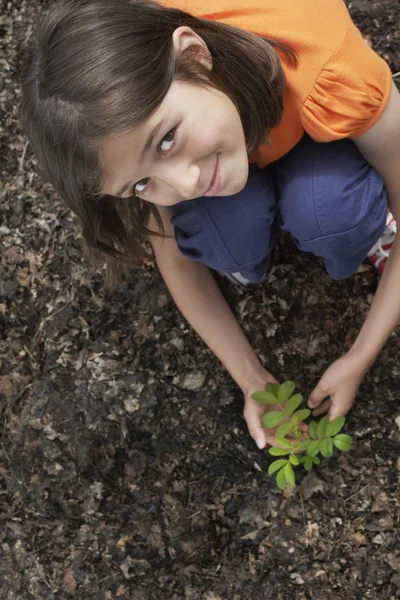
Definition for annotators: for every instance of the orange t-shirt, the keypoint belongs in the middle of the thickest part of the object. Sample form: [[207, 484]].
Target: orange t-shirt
[[340, 86]]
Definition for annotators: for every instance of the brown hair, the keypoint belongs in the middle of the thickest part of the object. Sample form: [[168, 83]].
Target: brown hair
[[85, 63]]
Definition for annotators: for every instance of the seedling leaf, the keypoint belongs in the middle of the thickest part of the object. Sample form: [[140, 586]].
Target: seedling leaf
[[301, 415], [308, 463], [273, 388], [279, 451], [285, 391], [276, 465], [289, 474], [293, 404], [272, 419], [304, 444], [282, 430], [342, 446], [313, 448], [334, 426], [282, 441], [264, 397], [343, 442], [322, 427], [294, 460], [281, 479], [343, 437], [312, 430], [326, 447]]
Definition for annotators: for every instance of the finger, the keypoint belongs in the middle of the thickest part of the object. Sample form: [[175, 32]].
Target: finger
[[323, 408], [257, 432], [337, 411], [316, 397]]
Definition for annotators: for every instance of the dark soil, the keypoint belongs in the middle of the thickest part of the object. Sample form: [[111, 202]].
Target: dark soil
[[127, 469]]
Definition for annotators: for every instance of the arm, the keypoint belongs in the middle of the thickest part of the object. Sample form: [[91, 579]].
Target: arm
[[200, 301], [381, 148]]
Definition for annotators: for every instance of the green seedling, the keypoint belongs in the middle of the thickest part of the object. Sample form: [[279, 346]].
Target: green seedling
[[293, 447]]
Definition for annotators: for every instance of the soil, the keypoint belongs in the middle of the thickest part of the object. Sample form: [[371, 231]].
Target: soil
[[127, 471]]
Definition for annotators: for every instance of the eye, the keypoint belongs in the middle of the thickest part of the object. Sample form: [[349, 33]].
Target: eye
[[140, 186], [168, 141], [164, 147]]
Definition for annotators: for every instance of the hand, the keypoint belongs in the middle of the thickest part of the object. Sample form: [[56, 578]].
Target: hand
[[254, 411], [339, 384]]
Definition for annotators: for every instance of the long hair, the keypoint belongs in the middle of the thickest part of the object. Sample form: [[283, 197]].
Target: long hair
[[100, 68]]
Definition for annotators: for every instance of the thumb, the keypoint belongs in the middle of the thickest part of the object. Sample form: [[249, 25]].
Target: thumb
[[316, 396], [256, 431]]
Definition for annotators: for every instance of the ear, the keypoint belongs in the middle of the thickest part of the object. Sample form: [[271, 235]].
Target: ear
[[186, 41]]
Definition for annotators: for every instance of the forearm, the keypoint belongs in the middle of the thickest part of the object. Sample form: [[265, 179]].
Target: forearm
[[384, 314], [381, 147], [200, 301]]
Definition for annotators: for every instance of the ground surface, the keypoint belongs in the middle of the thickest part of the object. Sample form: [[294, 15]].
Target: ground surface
[[127, 471]]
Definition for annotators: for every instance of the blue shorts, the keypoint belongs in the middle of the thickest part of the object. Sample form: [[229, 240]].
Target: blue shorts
[[326, 195]]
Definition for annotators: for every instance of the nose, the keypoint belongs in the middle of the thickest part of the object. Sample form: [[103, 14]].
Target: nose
[[184, 179]]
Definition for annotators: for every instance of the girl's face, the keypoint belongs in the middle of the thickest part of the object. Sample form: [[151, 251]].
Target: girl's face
[[192, 146]]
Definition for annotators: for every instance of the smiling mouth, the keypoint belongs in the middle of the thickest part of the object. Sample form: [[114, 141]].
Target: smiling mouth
[[215, 183]]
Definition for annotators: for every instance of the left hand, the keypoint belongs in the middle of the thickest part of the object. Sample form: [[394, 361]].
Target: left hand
[[339, 384]]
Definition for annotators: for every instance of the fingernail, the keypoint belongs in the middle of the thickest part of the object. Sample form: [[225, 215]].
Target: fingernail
[[310, 404], [260, 443]]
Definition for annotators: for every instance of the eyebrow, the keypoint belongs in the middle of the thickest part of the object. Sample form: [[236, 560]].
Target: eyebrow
[[145, 150]]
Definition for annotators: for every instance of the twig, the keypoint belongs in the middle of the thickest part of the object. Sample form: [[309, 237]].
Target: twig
[[22, 159], [303, 509], [356, 493], [395, 75]]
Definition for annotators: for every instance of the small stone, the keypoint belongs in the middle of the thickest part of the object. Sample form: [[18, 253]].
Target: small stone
[[194, 381], [131, 405], [69, 581], [360, 538], [378, 539]]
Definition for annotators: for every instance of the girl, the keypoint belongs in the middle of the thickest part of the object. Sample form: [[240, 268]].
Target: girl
[[206, 125]]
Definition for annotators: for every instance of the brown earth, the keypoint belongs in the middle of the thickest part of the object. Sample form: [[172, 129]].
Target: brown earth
[[127, 471]]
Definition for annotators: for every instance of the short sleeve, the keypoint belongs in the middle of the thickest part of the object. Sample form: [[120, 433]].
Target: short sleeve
[[350, 92]]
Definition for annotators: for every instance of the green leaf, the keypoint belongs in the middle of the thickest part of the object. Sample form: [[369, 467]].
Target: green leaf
[[312, 430], [273, 388], [279, 451], [289, 474], [264, 397], [343, 437], [343, 442], [308, 463], [282, 441], [326, 447], [335, 426], [283, 429], [322, 427], [272, 419], [313, 448], [292, 404], [294, 460], [276, 465], [301, 415], [281, 479], [304, 444], [316, 460], [285, 391]]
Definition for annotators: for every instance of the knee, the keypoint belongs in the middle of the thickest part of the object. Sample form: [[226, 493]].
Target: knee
[[332, 191], [334, 206]]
